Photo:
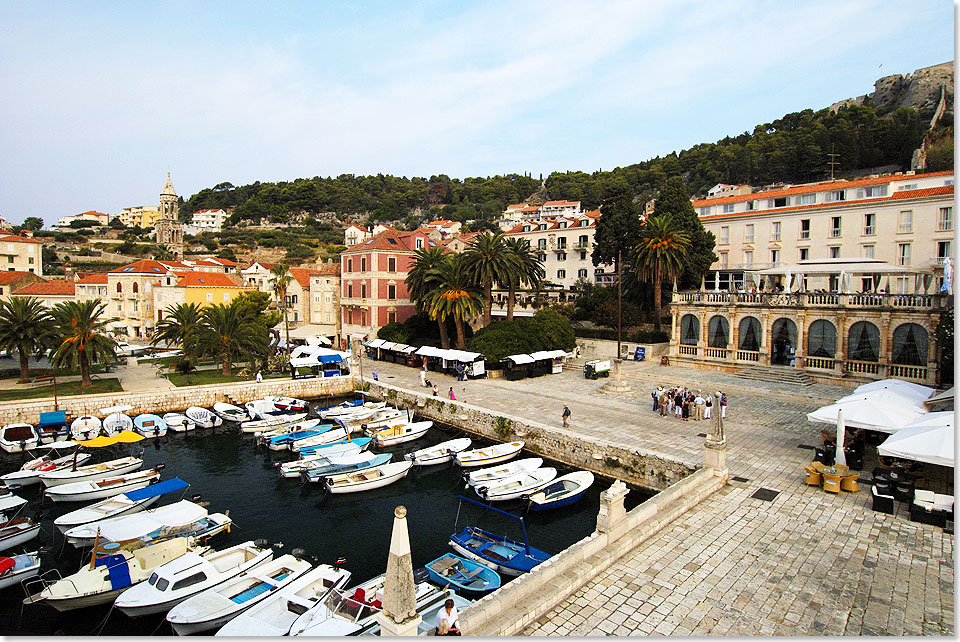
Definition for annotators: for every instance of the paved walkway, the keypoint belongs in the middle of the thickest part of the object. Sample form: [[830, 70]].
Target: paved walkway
[[805, 563]]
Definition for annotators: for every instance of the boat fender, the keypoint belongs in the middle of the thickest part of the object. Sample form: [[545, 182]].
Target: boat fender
[[482, 490], [299, 553], [525, 497], [159, 467], [340, 561], [196, 498], [261, 543]]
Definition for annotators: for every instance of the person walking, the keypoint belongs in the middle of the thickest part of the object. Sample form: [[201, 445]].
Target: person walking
[[436, 390], [723, 405], [259, 377], [375, 377], [423, 378], [453, 397], [565, 415], [708, 406]]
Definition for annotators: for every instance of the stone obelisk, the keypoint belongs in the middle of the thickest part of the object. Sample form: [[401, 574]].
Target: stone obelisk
[[399, 614]]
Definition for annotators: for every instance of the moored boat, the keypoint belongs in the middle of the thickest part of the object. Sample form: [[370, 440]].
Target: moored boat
[[275, 615], [368, 479], [190, 574], [83, 491], [272, 421], [260, 409], [439, 453], [218, 605], [114, 507], [90, 472], [400, 433], [17, 531], [150, 425], [328, 466], [178, 422], [489, 455], [116, 420], [202, 417], [326, 437], [14, 570], [293, 468], [18, 437], [30, 472], [380, 419], [229, 412], [562, 491], [287, 404], [85, 427], [465, 576], [514, 486], [341, 445], [350, 407], [486, 476], [498, 552]]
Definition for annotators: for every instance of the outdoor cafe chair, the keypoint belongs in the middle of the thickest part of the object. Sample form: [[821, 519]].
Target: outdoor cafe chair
[[882, 502], [813, 477], [831, 482], [849, 483]]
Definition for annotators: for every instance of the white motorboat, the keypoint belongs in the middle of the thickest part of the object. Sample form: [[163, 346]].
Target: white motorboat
[[178, 422], [114, 507], [203, 417], [17, 531], [440, 453], [485, 476], [150, 425], [306, 424], [216, 606], [282, 439], [489, 455], [9, 501], [116, 421], [85, 427], [90, 472], [188, 575], [84, 491], [514, 486], [133, 526], [19, 437], [381, 419], [563, 491], [427, 608], [261, 409], [287, 404], [348, 408], [271, 422], [369, 478], [324, 438], [275, 615], [91, 585], [292, 469], [401, 433], [14, 570], [229, 412], [30, 472]]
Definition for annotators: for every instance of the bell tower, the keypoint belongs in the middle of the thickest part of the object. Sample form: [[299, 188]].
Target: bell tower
[[169, 228]]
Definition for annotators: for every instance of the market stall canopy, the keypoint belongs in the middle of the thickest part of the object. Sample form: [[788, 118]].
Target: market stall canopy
[[309, 331], [834, 266], [311, 356], [375, 343], [520, 359], [929, 439], [868, 412], [941, 401], [461, 355], [429, 351], [548, 354]]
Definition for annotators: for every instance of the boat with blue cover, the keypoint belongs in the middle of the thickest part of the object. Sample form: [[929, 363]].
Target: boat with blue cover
[[127, 503], [498, 552], [465, 576], [341, 445], [150, 425], [283, 441], [318, 449], [319, 473]]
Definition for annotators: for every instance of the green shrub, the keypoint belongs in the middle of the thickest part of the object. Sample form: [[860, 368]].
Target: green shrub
[[546, 330], [502, 427]]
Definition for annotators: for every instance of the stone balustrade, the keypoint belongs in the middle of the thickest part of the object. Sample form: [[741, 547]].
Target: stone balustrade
[[816, 300]]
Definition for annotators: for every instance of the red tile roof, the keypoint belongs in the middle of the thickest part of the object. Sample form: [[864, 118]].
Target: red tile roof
[[208, 280], [47, 288], [393, 241], [100, 278], [302, 275], [6, 278], [562, 203], [14, 238], [149, 266], [814, 187], [263, 264]]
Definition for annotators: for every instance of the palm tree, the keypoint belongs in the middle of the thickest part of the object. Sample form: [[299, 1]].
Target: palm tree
[[660, 254], [27, 327], [81, 336], [179, 322], [489, 262], [527, 270], [421, 284], [281, 280], [228, 331], [456, 295]]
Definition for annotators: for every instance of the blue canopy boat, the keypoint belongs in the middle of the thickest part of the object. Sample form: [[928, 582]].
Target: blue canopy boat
[[363, 442], [465, 576], [282, 442], [346, 404], [498, 552], [317, 474]]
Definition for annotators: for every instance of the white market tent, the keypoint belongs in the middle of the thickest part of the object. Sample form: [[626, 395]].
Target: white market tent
[[929, 439], [520, 359], [548, 354], [843, 268], [460, 355], [869, 412], [429, 351], [376, 343], [308, 332]]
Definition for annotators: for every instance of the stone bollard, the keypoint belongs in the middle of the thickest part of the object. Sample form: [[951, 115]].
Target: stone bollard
[[399, 614], [612, 511], [716, 445]]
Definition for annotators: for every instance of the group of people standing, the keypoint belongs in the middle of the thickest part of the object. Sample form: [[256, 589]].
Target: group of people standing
[[688, 404]]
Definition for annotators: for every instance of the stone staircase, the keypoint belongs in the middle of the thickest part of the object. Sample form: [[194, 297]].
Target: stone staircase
[[779, 374]]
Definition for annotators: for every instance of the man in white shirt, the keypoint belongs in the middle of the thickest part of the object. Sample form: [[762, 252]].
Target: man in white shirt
[[699, 401], [423, 378], [448, 619]]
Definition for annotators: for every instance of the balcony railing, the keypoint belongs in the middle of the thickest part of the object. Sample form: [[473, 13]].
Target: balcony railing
[[716, 353], [819, 363], [748, 355], [862, 367], [814, 300], [690, 351], [907, 372]]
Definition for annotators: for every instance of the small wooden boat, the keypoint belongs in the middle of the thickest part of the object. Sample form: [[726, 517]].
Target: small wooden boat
[[440, 453], [19, 437], [85, 427], [90, 472], [563, 491], [229, 412], [380, 419], [465, 576], [202, 417], [17, 531], [101, 581], [276, 614], [260, 409], [346, 464], [271, 422], [190, 574], [178, 422], [368, 479], [341, 445], [306, 424], [83, 491], [218, 605], [489, 455], [53, 426], [349, 407], [114, 507], [116, 420], [293, 468], [498, 552], [150, 425], [514, 486], [287, 404], [30, 472], [325, 438], [400, 433], [485, 476], [14, 570]]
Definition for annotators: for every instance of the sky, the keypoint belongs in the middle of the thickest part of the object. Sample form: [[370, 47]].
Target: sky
[[101, 99]]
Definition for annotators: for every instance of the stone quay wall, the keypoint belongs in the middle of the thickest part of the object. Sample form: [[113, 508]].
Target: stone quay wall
[[510, 609], [160, 401], [643, 468]]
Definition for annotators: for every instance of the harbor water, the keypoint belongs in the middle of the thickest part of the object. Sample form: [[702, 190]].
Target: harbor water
[[231, 474]]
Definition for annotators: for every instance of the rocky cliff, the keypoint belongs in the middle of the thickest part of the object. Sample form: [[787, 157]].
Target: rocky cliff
[[922, 89]]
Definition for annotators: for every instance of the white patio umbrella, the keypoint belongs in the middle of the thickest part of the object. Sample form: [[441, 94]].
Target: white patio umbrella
[[929, 439], [897, 386], [841, 458], [869, 413], [947, 276], [840, 281]]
